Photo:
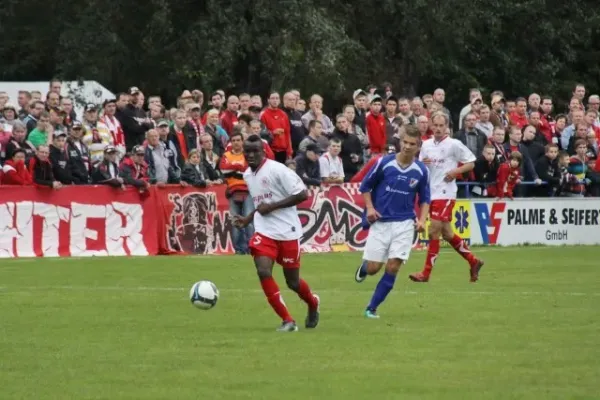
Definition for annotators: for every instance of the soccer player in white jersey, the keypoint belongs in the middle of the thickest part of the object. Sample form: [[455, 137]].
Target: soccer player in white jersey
[[442, 154], [390, 190], [276, 190]]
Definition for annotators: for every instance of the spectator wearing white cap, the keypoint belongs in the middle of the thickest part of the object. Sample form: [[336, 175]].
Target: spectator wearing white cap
[[107, 171], [78, 154], [162, 164], [96, 135]]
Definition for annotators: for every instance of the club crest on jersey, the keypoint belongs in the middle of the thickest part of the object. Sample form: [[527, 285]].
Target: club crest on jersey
[[413, 182], [265, 182]]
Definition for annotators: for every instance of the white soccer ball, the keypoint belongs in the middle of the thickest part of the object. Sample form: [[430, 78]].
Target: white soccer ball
[[204, 295]]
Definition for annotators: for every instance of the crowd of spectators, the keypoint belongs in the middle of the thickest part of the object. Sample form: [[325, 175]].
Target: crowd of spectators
[[131, 140]]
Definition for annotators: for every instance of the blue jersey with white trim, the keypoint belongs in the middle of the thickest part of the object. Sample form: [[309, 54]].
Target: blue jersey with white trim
[[394, 189]]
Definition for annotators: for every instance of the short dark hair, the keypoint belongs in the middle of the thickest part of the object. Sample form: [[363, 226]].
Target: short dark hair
[[246, 118], [254, 109], [563, 154], [236, 132], [550, 146], [314, 123], [520, 99], [412, 131], [335, 141], [253, 139]]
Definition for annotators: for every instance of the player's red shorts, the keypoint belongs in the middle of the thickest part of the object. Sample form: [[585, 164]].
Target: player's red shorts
[[441, 210], [285, 252]]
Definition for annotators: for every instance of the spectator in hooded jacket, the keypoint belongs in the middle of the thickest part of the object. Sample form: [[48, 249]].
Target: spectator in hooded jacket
[[79, 155], [40, 169], [107, 171], [548, 171], [61, 164], [14, 171], [485, 172], [134, 170], [307, 165]]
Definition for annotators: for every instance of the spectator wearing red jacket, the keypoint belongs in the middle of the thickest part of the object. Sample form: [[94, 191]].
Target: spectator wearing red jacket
[[40, 169], [229, 117], [519, 116], [509, 175], [277, 122], [376, 127], [14, 171], [134, 169]]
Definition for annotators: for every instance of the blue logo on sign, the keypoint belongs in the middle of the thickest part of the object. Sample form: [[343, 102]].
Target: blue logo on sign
[[461, 219]]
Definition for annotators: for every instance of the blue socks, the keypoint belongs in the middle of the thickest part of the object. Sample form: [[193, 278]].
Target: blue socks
[[385, 285], [363, 269]]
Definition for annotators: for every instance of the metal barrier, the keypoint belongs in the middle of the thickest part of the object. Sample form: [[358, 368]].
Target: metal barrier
[[469, 184]]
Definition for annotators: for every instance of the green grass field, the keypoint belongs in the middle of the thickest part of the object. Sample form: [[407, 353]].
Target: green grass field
[[123, 328]]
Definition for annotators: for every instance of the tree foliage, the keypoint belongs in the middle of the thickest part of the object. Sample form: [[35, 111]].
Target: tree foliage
[[331, 46]]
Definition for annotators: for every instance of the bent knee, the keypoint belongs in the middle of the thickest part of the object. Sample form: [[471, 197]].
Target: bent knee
[[293, 284], [263, 272], [393, 266]]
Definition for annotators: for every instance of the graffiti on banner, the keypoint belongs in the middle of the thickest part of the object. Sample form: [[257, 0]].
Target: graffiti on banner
[[199, 223], [331, 219]]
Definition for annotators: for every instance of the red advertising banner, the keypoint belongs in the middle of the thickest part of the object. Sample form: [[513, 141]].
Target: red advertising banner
[[76, 221], [103, 221]]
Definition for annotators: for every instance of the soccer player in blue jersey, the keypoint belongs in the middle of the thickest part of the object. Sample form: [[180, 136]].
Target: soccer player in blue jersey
[[390, 190]]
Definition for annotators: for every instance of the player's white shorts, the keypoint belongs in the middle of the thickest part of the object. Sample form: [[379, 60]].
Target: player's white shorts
[[387, 240]]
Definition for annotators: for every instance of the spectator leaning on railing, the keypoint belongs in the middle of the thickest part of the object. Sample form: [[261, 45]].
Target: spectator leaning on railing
[[307, 165], [134, 170], [14, 171], [40, 169], [61, 163], [330, 163]]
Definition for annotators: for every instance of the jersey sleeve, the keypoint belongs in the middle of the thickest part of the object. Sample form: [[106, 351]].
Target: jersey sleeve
[[424, 188], [462, 152], [372, 177], [290, 181], [422, 154]]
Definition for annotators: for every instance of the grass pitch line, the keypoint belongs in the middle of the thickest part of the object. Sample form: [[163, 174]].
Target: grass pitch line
[[331, 291]]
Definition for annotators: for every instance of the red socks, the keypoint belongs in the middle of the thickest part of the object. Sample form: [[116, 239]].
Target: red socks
[[271, 290], [305, 294], [463, 249], [432, 253]]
